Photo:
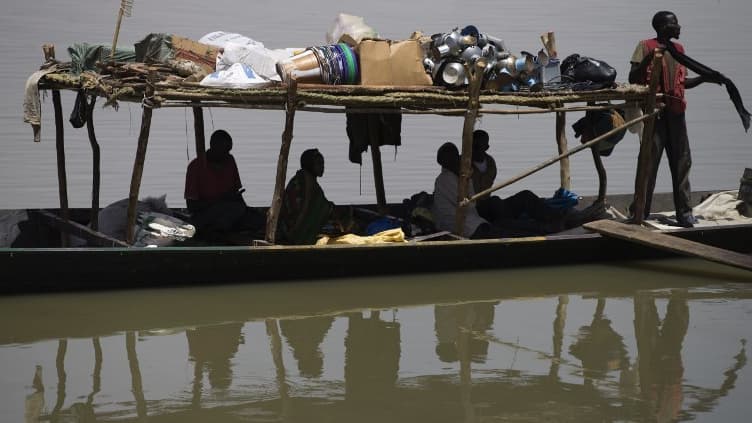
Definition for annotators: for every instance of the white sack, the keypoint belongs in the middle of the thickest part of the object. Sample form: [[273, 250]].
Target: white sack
[[354, 26], [238, 48], [238, 75]]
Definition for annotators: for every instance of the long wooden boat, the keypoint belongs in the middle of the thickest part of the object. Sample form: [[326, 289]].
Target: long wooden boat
[[95, 268], [121, 266]]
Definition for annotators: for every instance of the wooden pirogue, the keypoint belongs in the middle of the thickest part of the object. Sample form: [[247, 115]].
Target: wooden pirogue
[[125, 267]]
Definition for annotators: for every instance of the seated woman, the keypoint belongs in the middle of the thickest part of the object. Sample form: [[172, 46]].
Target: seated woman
[[305, 208]]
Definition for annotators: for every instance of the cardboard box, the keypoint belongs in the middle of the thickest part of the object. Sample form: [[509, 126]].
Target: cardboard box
[[386, 62], [203, 55]]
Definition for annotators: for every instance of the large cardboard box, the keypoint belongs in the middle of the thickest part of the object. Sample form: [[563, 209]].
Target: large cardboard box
[[386, 62], [203, 55]]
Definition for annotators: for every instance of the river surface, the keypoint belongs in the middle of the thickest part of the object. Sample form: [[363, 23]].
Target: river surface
[[659, 342], [635, 342]]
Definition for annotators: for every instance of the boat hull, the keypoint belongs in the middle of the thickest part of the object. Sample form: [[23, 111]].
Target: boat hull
[[66, 269]]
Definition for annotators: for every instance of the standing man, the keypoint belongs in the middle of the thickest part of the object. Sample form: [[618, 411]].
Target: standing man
[[670, 125]]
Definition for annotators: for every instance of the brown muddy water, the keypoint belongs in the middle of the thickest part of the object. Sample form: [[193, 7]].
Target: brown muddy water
[[647, 341]]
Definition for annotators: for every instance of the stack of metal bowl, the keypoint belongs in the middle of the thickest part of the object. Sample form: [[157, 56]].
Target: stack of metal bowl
[[453, 52]]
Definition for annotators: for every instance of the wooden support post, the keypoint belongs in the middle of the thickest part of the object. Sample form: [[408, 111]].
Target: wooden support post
[[476, 77], [95, 164], [602, 177], [198, 128], [62, 178], [378, 172], [646, 144], [561, 142], [138, 163], [284, 153]]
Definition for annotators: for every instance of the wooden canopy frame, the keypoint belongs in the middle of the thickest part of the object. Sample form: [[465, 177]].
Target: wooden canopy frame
[[291, 97]]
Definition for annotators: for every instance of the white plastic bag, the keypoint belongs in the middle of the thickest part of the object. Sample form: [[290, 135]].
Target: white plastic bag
[[221, 38], [261, 59], [238, 48], [353, 26], [238, 75]]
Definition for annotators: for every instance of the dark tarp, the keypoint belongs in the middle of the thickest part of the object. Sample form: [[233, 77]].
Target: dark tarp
[[84, 56]]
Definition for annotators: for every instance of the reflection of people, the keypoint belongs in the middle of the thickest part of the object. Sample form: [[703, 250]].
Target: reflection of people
[[213, 189], [371, 358], [214, 347], [599, 346], [450, 319], [660, 362], [670, 126], [305, 208], [304, 337]]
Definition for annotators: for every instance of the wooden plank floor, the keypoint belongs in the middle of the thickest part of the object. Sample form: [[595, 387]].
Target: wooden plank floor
[[640, 235]]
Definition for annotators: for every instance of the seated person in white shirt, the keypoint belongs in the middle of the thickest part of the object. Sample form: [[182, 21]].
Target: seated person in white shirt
[[444, 206]]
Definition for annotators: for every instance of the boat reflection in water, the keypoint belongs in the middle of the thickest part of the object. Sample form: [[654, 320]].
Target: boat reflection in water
[[448, 348]]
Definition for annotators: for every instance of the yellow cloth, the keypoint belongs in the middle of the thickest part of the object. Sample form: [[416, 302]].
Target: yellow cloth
[[389, 235]]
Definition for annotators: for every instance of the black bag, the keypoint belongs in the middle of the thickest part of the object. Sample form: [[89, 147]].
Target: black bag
[[80, 110], [576, 68]]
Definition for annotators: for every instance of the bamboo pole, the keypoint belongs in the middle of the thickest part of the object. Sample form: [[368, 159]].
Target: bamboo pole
[[62, 178], [431, 111], [95, 164], [646, 145], [138, 163], [561, 142], [198, 128], [475, 73], [553, 160], [284, 153], [117, 33]]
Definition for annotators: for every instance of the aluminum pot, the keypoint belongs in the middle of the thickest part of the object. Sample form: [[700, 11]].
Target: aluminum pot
[[453, 74]]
